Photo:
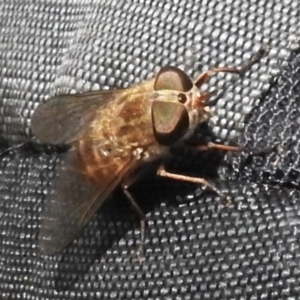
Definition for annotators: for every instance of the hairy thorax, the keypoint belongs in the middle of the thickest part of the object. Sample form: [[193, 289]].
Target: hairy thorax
[[125, 130]]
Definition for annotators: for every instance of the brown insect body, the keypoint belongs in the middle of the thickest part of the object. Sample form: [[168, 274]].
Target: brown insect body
[[113, 134], [124, 130]]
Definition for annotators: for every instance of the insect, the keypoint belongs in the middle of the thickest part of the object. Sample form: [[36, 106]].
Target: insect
[[115, 137]]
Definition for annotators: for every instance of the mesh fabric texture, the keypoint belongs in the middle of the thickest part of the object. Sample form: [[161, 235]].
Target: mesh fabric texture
[[196, 248]]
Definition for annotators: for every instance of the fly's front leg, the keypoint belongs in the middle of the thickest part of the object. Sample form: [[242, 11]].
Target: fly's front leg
[[241, 71], [163, 173], [228, 148]]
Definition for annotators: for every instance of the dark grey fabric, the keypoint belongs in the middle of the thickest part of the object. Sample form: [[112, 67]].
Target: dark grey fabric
[[196, 248]]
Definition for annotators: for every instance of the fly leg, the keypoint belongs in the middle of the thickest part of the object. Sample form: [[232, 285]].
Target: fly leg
[[241, 71], [226, 200], [228, 148], [163, 173], [125, 185]]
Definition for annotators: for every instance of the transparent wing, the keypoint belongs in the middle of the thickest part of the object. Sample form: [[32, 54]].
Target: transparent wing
[[64, 118], [74, 200]]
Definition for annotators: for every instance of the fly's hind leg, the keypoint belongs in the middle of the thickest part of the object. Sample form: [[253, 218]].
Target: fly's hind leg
[[140, 251]]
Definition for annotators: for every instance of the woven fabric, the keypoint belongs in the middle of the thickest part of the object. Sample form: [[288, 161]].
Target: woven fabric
[[196, 248]]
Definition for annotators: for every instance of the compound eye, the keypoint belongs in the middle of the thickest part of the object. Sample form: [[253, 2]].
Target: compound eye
[[172, 78], [182, 98], [170, 122]]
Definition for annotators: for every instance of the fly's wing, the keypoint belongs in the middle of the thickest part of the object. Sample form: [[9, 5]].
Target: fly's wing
[[64, 118], [74, 200]]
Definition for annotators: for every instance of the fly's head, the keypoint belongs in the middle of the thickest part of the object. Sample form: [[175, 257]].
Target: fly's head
[[178, 106]]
